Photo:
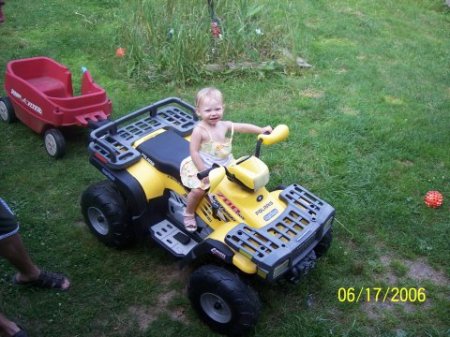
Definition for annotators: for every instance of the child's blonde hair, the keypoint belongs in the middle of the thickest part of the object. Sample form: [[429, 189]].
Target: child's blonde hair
[[209, 92]]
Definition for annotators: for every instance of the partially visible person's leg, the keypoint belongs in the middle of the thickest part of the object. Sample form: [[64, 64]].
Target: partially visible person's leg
[[11, 245], [13, 250]]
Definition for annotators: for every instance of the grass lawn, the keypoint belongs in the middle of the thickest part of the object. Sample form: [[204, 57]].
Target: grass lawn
[[370, 134]]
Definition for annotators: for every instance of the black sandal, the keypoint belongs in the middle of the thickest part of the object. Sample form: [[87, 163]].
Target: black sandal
[[20, 333], [46, 279]]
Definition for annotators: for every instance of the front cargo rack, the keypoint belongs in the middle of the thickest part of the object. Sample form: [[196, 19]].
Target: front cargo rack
[[290, 237], [113, 142]]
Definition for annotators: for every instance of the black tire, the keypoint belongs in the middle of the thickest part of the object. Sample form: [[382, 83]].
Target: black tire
[[223, 301], [54, 143], [7, 113], [105, 213], [324, 244]]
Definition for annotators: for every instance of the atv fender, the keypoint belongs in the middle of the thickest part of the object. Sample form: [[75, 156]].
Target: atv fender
[[133, 192], [210, 247], [149, 178], [129, 187], [153, 182], [217, 249], [242, 262]]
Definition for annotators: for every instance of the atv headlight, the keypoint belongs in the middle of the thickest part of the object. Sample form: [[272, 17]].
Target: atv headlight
[[281, 269]]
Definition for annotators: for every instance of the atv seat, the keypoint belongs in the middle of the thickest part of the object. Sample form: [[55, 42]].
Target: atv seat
[[166, 150]]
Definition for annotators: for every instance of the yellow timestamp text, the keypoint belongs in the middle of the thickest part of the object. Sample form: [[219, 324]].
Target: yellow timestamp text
[[381, 294]]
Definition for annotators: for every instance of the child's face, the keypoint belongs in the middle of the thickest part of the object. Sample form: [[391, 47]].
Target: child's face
[[210, 110]]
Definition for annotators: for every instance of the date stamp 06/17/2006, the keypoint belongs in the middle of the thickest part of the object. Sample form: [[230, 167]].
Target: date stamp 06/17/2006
[[381, 294]]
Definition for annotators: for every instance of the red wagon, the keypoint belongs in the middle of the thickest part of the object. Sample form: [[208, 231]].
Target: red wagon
[[39, 93]]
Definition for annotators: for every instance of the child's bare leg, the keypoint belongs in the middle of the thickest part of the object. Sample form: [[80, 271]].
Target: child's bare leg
[[194, 197]]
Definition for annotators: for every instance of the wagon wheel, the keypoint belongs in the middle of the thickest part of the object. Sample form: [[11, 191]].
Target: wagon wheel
[[7, 113], [54, 142]]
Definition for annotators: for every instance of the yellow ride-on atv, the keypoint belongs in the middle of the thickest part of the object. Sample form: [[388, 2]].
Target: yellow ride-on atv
[[243, 229]]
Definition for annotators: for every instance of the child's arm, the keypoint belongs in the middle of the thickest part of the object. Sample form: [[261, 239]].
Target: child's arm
[[194, 148], [251, 128]]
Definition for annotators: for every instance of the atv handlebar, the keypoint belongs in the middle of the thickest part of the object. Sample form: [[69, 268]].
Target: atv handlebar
[[280, 133], [203, 174]]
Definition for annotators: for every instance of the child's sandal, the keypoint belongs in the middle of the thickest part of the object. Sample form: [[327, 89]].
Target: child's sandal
[[189, 223]]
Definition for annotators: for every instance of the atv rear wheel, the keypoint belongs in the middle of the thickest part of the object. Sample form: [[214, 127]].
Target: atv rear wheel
[[105, 213], [223, 300], [7, 113], [324, 244]]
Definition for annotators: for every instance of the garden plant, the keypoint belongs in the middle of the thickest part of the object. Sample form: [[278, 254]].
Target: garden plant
[[364, 87]]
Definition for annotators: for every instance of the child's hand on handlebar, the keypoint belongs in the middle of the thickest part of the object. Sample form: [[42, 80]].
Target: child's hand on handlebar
[[266, 130]]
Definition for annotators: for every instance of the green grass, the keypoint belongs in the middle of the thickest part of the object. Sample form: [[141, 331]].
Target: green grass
[[369, 133]]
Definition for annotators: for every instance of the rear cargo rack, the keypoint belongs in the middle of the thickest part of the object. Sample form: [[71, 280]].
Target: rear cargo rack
[[113, 142]]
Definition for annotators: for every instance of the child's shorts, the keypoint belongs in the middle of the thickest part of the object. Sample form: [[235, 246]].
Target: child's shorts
[[188, 173]]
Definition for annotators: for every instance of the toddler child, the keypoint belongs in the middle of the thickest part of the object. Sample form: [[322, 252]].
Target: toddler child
[[210, 144]]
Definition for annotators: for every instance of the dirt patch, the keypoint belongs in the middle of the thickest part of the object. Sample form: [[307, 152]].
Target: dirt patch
[[406, 163], [393, 100], [340, 71], [79, 224], [313, 133], [418, 270], [388, 277], [375, 310], [311, 93], [352, 11], [361, 57], [349, 111], [146, 315], [170, 274]]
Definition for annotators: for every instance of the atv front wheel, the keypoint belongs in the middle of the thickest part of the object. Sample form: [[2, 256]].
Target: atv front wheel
[[105, 213], [223, 301], [7, 113]]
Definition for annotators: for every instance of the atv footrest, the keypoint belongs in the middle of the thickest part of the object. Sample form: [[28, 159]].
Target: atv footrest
[[170, 237]]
